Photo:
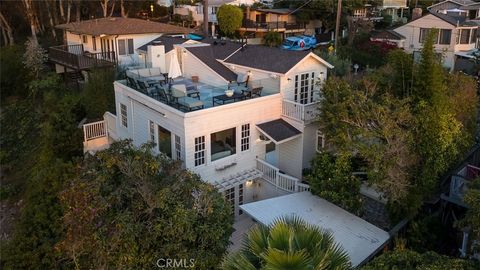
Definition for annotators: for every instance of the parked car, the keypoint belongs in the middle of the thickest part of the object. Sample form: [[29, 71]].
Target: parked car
[[299, 43]]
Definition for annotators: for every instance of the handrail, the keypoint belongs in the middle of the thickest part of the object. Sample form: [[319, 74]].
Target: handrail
[[282, 181], [298, 111], [74, 56], [94, 130]]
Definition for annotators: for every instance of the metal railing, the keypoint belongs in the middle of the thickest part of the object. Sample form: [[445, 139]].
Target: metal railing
[[301, 112], [94, 130], [282, 181], [74, 56]]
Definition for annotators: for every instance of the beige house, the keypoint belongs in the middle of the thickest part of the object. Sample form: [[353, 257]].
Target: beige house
[[457, 35]]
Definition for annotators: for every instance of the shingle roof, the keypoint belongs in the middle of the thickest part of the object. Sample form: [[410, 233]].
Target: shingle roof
[[206, 55], [454, 20], [279, 130], [121, 26], [168, 42], [267, 58], [222, 48], [388, 34]]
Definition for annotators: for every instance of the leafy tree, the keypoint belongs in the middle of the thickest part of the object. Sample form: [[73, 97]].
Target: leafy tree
[[472, 218], [35, 58], [12, 68], [127, 208], [410, 260], [98, 93], [229, 18], [341, 66], [272, 39], [332, 179], [288, 243]]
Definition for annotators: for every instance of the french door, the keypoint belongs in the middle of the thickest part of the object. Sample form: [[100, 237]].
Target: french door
[[304, 86]]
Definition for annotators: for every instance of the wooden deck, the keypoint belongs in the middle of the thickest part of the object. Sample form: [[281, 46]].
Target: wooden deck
[[74, 57]]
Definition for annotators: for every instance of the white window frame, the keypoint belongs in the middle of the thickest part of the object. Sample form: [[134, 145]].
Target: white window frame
[[200, 154], [124, 115], [303, 94], [245, 134], [126, 42], [151, 130], [320, 137], [178, 147]]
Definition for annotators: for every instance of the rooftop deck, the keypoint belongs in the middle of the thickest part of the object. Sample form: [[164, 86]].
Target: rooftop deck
[[209, 95]]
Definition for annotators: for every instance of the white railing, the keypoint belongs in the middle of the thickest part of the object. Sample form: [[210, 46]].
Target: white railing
[[300, 112], [94, 130], [283, 181]]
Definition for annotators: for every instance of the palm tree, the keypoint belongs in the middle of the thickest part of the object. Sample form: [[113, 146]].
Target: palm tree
[[289, 243]]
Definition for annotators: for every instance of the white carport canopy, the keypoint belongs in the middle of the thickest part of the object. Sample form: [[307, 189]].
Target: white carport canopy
[[359, 238]]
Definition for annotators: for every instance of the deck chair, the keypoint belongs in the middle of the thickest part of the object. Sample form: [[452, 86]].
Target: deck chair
[[179, 94], [149, 90], [132, 83]]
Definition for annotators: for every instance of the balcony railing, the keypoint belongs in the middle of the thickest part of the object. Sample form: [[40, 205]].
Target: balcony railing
[[272, 25], [74, 56], [283, 181], [94, 130], [305, 113]]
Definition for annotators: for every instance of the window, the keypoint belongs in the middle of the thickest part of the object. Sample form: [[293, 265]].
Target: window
[[423, 34], [94, 43], [320, 141], [230, 198], [178, 148], [474, 36], [304, 86], [151, 130], [125, 46], [445, 36], [165, 141], [123, 114], [245, 140], [464, 36], [240, 198], [199, 151], [84, 39], [223, 143]]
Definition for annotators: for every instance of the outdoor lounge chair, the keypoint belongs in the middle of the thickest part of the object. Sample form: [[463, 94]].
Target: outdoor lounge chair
[[149, 90], [179, 94], [132, 83], [253, 92]]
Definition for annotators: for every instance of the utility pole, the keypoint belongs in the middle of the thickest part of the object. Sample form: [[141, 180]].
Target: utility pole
[[337, 26], [205, 17]]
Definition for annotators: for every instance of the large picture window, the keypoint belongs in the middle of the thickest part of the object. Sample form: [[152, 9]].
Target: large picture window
[[223, 143], [165, 141]]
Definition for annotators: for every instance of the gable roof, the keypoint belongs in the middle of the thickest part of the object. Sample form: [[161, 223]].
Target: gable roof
[[121, 26], [279, 130], [267, 58], [167, 41], [387, 34], [458, 2], [206, 55], [454, 20]]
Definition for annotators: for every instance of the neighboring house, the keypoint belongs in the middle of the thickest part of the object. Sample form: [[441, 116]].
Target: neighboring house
[[194, 12], [257, 22], [393, 8], [466, 8], [457, 35], [106, 42], [252, 145]]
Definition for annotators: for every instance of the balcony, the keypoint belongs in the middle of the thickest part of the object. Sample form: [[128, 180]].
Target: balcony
[[274, 176], [207, 96], [305, 113], [74, 57], [272, 26]]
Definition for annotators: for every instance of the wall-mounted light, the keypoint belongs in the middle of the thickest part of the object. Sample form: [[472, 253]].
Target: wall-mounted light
[[288, 79], [249, 183], [184, 51], [249, 73]]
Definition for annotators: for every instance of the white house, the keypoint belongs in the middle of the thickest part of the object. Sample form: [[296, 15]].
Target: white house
[[253, 144], [106, 40], [457, 35]]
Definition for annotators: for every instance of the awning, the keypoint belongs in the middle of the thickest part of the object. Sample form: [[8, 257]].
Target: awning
[[360, 239], [279, 131]]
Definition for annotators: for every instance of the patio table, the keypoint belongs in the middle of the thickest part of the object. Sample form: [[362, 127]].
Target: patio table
[[222, 99]]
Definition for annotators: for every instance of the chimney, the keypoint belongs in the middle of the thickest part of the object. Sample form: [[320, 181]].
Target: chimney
[[416, 13]]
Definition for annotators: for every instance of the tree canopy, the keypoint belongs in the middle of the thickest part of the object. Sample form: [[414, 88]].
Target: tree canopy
[[127, 208], [229, 18]]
